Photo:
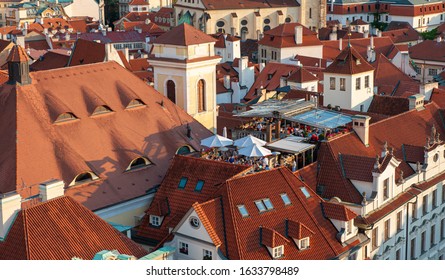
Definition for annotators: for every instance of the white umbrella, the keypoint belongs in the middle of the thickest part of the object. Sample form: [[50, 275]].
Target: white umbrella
[[248, 141], [216, 141], [254, 151]]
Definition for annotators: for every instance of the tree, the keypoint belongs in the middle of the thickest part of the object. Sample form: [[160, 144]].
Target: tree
[[429, 35]]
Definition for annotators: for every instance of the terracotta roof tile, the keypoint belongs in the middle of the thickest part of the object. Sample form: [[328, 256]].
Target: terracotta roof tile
[[338, 211], [428, 50], [18, 54], [61, 229], [87, 52], [388, 105], [302, 76], [184, 35], [283, 36], [50, 60], [272, 238], [298, 230], [349, 61]]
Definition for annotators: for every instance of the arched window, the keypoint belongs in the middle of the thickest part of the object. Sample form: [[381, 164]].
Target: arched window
[[244, 30], [171, 91], [64, 117], [219, 26], [184, 150], [83, 178], [201, 96], [138, 163], [266, 28], [135, 103], [102, 110], [244, 22], [287, 20]]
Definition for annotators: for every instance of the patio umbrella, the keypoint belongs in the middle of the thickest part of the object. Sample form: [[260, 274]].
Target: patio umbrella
[[254, 151], [216, 141], [248, 141]]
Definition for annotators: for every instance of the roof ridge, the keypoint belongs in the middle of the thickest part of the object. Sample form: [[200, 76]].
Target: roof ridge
[[399, 115]]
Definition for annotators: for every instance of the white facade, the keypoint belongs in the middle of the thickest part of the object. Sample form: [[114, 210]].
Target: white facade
[[88, 8]]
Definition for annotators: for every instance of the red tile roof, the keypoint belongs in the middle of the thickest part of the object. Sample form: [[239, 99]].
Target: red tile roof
[[72, 147], [178, 200], [17, 54], [338, 211], [61, 229], [87, 52], [138, 3], [350, 62], [302, 76], [4, 77], [388, 105], [388, 74], [247, 4], [359, 22], [428, 50], [272, 238], [184, 35], [37, 45], [438, 96], [114, 36], [283, 36], [4, 44], [50, 60], [404, 35]]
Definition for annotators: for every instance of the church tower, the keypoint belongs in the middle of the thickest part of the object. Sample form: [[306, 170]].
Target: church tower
[[18, 66], [313, 14], [184, 67]]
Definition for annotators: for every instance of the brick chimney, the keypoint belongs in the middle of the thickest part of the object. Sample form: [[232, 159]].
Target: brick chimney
[[51, 189], [360, 124], [10, 205]]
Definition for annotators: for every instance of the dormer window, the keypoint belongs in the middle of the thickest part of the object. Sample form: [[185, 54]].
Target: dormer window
[[138, 163], [65, 117], [278, 252], [102, 110], [303, 243], [83, 178], [155, 220], [135, 103]]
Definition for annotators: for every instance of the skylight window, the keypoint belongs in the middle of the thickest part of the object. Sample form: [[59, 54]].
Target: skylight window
[[135, 103], [268, 204], [260, 205], [199, 185], [64, 117], [102, 110], [138, 163], [305, 192], [182, 183], [243, 211], [83, 178], [285, 199]]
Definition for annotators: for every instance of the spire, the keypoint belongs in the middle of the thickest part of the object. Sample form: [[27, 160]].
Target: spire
[[18, 66]]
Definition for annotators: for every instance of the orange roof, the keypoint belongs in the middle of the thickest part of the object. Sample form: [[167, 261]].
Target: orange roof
[[338, 211], [104, 144], [283, 36], [302, 76], [388, 74], [349, 61], [138, 3], [61, 229], [179, 200], [184, 35], [50, 60], [87, 52], [17, 54]]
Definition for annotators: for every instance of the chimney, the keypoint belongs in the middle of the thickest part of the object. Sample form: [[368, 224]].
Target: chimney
[[104, 32], [243, 64], [51, 189], [20, 40], [333, 35], [10, 205], [127, 54], [227, 81], [439, 39], [366, 34], [339, 26], [379, 33], [298, 34], [371, 42], [360, 124], [340, 44], [416, 101]]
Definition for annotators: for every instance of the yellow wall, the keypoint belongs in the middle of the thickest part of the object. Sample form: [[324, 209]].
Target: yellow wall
[[128, 218], [179, 82]]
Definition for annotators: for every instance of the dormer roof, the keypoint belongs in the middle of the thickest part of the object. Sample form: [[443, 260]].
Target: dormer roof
[[338, 211], [349, 62], [271, 238], [184, 35]]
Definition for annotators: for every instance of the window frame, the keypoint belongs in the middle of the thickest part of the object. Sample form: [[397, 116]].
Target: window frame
[[182, 185]]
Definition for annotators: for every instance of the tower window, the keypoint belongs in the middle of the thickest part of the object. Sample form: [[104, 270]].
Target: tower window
[[201, 96], [171, 91]]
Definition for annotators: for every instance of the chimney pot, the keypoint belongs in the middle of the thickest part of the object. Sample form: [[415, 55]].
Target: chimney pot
[[360, 124]]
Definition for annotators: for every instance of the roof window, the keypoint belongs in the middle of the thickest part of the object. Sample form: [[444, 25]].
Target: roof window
[[83, 178], [102, 110], [243, 211], [135, 103], [285, 199], [199, 186], [305, 192], [264, 205], [64, 117], [182, 183], [138, 163]]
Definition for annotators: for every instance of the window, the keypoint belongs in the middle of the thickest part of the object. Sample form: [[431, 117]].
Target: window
[[138, 163], [220, 23], [425, 205], [278, 252], [83, 178], [332, 83], [387, 229], [304, 243], [433, 235], [386, 189], [206, 254], [101, 110], [434, 198], [64, 117], [183, 248], [135, 103], [418, 70], [310, 12], [155, 220], [182, 183], [285, 199], [194, 222], [423, 242], [443, 194], [305, 192], [184, 150], [244, 22], [171, 91], [399, 220], [413, 248], [357, 83], [432, 72], [243, 211], [199, 186], [414, 211], [342, 84], [268, 203], [266, 21], [442, 229], [375, 238], [264, 205], [288, 19], [201, 96]]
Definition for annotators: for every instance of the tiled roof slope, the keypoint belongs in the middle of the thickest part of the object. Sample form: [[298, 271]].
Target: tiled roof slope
[[350, 62], [104, 144], [412, 129], [17, 54], [243, 234], [338, 211], [428, 50], [50, 60], [388, 105], [61, 229], [179, 201], [184, 35], [302, 76], [387, 74], [247, 4], [87, 52], [283, 36]]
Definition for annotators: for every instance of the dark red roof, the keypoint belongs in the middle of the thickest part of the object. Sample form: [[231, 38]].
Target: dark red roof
[[350, 62], [428, 50], [50, 60], [388, 105], [283, 36], [87, 52], [61, 229], [184, 35], [302, 76], [17, 54], [338, 211]]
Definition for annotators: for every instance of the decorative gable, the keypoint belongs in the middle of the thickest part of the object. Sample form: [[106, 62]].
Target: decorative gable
[[273, 241]]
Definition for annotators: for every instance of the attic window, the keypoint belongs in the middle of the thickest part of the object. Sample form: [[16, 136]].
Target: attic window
[[304, 243], [101, 110], [83, 178], [199, 186], [278, 252], [64, 117], [184, 150], [285, 199], [155, 220], [305, 192], [243, 211], [182, 183], [135, 103], [138, 163], [264, 205]]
